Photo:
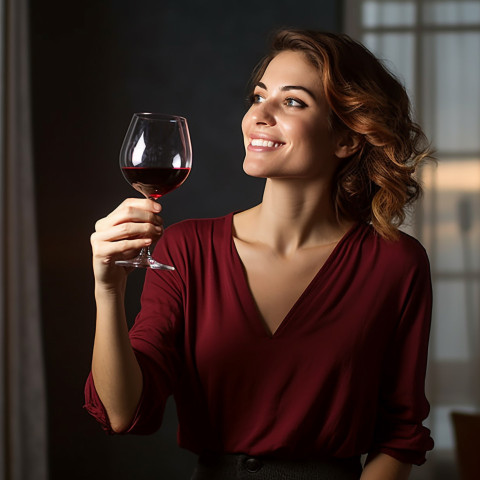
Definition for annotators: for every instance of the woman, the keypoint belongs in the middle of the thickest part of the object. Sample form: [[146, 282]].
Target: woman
[[293, 335]]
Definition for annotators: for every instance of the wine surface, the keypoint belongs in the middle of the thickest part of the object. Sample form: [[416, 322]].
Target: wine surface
[[155, 182]]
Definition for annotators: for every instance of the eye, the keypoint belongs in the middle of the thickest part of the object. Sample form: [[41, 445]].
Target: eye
[[256, 98], [294, 102]]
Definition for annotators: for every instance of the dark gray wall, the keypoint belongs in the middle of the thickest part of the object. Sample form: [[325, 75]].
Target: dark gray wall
[[94, 64]]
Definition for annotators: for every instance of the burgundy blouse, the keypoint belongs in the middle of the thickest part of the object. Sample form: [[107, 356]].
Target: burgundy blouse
[[343, 375]]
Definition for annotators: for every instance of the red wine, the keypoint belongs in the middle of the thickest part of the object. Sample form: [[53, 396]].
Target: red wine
[[155, 182]]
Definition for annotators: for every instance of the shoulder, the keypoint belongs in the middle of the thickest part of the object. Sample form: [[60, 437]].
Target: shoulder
[[197, 235], [406, 253], [395, 267], [192, 243], [198, 226], [410, 250]]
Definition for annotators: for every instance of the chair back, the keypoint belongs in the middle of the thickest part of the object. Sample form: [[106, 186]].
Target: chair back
[[467, 438]]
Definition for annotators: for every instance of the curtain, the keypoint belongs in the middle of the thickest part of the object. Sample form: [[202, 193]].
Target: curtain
[[23, 436]]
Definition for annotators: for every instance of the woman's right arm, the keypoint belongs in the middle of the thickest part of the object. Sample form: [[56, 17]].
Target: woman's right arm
[[115, 370]]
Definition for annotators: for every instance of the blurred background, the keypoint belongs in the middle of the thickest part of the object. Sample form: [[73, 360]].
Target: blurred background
[[73, 74]]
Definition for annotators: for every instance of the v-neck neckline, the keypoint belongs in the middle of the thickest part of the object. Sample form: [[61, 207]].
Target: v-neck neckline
[[257, 320]]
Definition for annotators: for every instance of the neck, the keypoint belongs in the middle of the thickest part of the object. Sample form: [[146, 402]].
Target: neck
[[296, 214]]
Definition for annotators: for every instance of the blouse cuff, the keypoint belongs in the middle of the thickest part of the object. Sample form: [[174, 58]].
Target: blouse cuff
[[94, 406], [149, 413], [408, 444]]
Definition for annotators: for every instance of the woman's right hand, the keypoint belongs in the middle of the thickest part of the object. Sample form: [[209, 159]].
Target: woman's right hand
[[134, 224]]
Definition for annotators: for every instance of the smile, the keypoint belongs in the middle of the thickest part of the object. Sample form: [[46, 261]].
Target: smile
[[258, 142]]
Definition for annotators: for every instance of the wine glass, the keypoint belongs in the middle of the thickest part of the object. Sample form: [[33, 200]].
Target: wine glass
[[155, 158]]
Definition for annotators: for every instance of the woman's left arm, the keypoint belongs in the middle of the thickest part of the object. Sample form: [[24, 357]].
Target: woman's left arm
[[385, 467], [402, 405]]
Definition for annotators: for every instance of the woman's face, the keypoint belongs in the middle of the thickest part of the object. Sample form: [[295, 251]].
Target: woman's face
[[286, 131]]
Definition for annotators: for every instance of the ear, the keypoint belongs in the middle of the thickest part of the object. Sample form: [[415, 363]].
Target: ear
[[348, 143]]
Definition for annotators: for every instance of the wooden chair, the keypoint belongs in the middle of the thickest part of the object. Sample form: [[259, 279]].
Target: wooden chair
[[467, 437]]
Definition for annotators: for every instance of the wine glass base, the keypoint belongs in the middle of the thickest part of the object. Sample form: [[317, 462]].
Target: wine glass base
[[144, 262]]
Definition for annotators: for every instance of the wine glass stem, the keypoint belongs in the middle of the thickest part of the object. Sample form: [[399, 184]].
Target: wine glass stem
[[144, 253]]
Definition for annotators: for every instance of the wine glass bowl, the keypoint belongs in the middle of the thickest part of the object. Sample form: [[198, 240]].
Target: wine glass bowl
[[155, 158]]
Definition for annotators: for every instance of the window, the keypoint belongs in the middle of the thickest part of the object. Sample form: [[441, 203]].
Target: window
[[433, 46]]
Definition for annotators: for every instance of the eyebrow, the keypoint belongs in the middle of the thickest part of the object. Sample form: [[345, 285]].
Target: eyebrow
[[286, 88]]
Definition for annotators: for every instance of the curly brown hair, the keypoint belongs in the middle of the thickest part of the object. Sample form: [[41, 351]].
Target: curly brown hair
[[378, 181]]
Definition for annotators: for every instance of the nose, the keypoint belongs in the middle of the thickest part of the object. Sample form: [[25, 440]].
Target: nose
[[263, 114]]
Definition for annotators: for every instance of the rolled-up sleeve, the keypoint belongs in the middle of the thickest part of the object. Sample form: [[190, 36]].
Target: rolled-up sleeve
[[400, 432], [149, 414], [157, 340]]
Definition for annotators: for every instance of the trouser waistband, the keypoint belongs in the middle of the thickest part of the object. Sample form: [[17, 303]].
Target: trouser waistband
[[240, 466]]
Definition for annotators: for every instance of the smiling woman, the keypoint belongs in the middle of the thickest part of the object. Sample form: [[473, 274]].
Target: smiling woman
[[370, 110], [289, 113], [293, 335]]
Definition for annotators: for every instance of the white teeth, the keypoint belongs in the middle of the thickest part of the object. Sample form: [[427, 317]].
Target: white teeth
[[257, 142]]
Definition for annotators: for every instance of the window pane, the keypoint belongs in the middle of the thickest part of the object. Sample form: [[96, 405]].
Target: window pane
[[383, 13], [396, 50], [451, 12], [452, 214], [455, 328], [451, 93]]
